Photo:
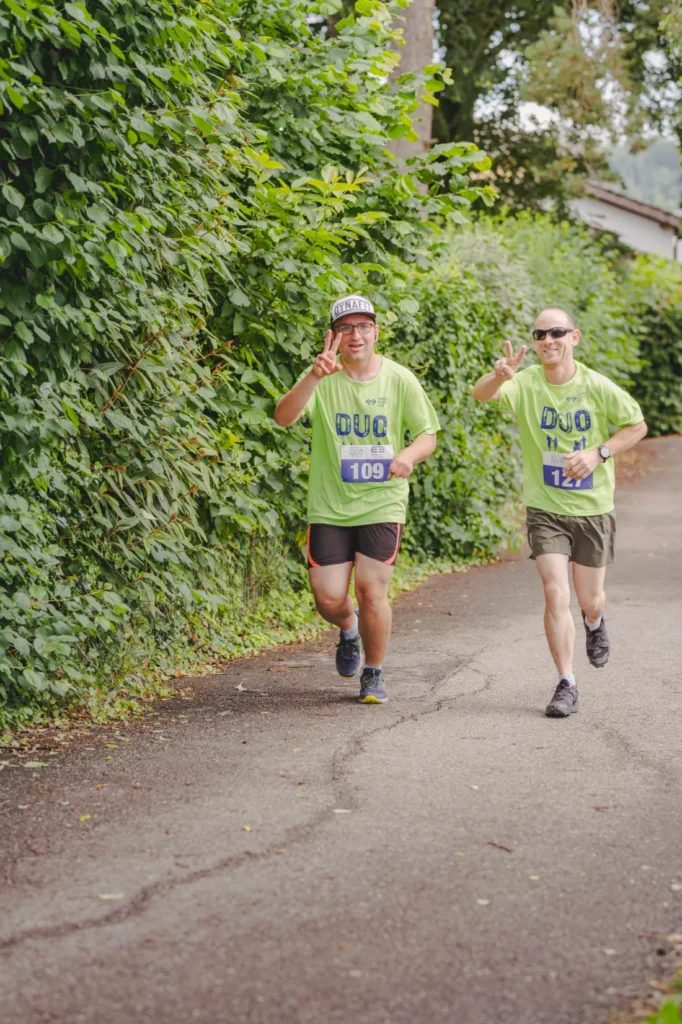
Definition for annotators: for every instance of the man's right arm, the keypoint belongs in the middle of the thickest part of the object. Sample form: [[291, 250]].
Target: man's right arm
[[294, 402], [290, 407], [487, 387]]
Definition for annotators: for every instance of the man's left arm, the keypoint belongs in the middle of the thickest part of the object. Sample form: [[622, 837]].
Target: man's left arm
[[580, 464], [409, 457]]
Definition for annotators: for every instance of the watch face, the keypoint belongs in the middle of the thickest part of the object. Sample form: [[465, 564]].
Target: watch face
[[604, 452]]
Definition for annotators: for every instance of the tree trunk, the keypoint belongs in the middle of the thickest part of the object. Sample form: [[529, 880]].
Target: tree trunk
[[417, 24]]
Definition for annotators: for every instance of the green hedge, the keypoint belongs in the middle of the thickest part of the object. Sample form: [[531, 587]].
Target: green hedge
[[184, 190]]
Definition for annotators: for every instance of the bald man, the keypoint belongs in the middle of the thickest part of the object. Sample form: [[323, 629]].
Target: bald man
[[572, 421]]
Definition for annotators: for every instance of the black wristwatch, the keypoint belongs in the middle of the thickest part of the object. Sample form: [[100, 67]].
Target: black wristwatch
[[604, 452]]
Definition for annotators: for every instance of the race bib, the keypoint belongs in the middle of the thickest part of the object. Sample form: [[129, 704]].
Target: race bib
[[365, 463], [553, 474]]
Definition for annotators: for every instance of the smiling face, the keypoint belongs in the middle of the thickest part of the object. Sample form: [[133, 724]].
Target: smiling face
[[358, 337], [555, 351]]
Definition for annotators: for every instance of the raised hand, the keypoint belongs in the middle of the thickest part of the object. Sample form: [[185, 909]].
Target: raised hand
[[507, 367], [326, 363]]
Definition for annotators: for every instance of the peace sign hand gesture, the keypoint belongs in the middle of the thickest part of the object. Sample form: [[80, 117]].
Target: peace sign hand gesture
[[326, 363], [507, 367]]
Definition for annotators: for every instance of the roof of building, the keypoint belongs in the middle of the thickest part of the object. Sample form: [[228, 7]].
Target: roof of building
[[648, 210]]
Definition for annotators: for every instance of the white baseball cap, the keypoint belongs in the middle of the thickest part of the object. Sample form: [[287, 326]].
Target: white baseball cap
[[352, 304]]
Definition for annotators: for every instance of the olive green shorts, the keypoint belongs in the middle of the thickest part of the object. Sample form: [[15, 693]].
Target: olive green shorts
[[587, 540]]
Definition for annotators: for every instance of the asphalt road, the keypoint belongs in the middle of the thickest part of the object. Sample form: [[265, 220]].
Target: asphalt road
[[279, 853]]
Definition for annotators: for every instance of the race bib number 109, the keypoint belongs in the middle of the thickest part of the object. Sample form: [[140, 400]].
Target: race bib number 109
[[553, 474], [365, 463]]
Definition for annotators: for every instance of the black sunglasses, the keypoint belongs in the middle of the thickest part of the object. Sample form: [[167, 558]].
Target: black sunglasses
[[554, 332]]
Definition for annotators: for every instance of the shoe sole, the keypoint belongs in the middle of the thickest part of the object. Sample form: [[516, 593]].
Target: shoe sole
[[371, 699], [551, 712], [348, 677], [598, 664]]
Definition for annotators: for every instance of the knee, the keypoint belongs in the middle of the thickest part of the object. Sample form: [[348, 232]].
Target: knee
[[557, 597], [370, 598], [329, 605], [592, 607]]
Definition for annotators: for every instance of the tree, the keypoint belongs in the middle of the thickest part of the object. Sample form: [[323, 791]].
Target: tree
[[416, 54], [587, 62]]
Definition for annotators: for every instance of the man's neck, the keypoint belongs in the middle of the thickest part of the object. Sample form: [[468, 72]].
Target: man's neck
[[365, 370], [561, 373]]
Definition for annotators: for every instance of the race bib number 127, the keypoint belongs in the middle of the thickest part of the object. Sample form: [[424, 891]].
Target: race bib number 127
[[365, 463], [553, 474]]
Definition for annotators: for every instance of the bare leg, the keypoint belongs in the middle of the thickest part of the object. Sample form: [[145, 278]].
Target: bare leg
[[559, 628], [371, 589], [589, 589], [329, 584]]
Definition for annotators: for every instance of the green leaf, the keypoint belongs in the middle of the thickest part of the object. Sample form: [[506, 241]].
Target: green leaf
[[239, 298], [43, 177], [12, 195], [24, 332]]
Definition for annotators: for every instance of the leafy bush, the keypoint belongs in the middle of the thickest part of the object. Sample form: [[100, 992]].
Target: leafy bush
[[184, 190], [658, 385], [497, 275]]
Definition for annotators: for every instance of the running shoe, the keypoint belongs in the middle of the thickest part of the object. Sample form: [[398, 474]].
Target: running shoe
[[348, 656], [372, 686], [597, 643], [564, 702]]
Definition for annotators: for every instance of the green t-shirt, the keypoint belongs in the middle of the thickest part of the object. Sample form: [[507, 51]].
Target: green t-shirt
[[373, 414], [557, 419]]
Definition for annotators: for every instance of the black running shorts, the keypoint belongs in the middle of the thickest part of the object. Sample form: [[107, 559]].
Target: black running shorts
[[333, 545]]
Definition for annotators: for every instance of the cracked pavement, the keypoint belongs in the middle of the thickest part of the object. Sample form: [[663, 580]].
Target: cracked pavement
[[283, 854]]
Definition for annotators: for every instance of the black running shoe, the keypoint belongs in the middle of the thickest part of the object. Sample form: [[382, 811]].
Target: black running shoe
[[564, 702], [597, 643]]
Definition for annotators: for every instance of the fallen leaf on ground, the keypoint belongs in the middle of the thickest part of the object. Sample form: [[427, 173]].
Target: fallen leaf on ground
[[342, 810], [112, 746], [483, 903], [101, 785], [534, 878], [474, 787], [611, 952], [221, 713], [675, 938], [111, 895], [676, 887], [240, 687], [247, 828], [85, 817], [23, 807], [65, 803], [108, 758], [280, 851], [35, 764]]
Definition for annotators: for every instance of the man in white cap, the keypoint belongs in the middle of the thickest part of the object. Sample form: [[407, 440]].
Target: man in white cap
[[360, 409]]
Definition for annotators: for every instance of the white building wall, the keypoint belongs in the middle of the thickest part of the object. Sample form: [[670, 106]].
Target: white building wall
[[639, 232]]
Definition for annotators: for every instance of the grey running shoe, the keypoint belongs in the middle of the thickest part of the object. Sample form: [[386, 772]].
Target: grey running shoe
[[372, 686], [564, 702], [597, 643]]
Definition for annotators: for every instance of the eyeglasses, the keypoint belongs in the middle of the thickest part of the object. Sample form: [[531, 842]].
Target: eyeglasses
[[347, 329], [554, 332]]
